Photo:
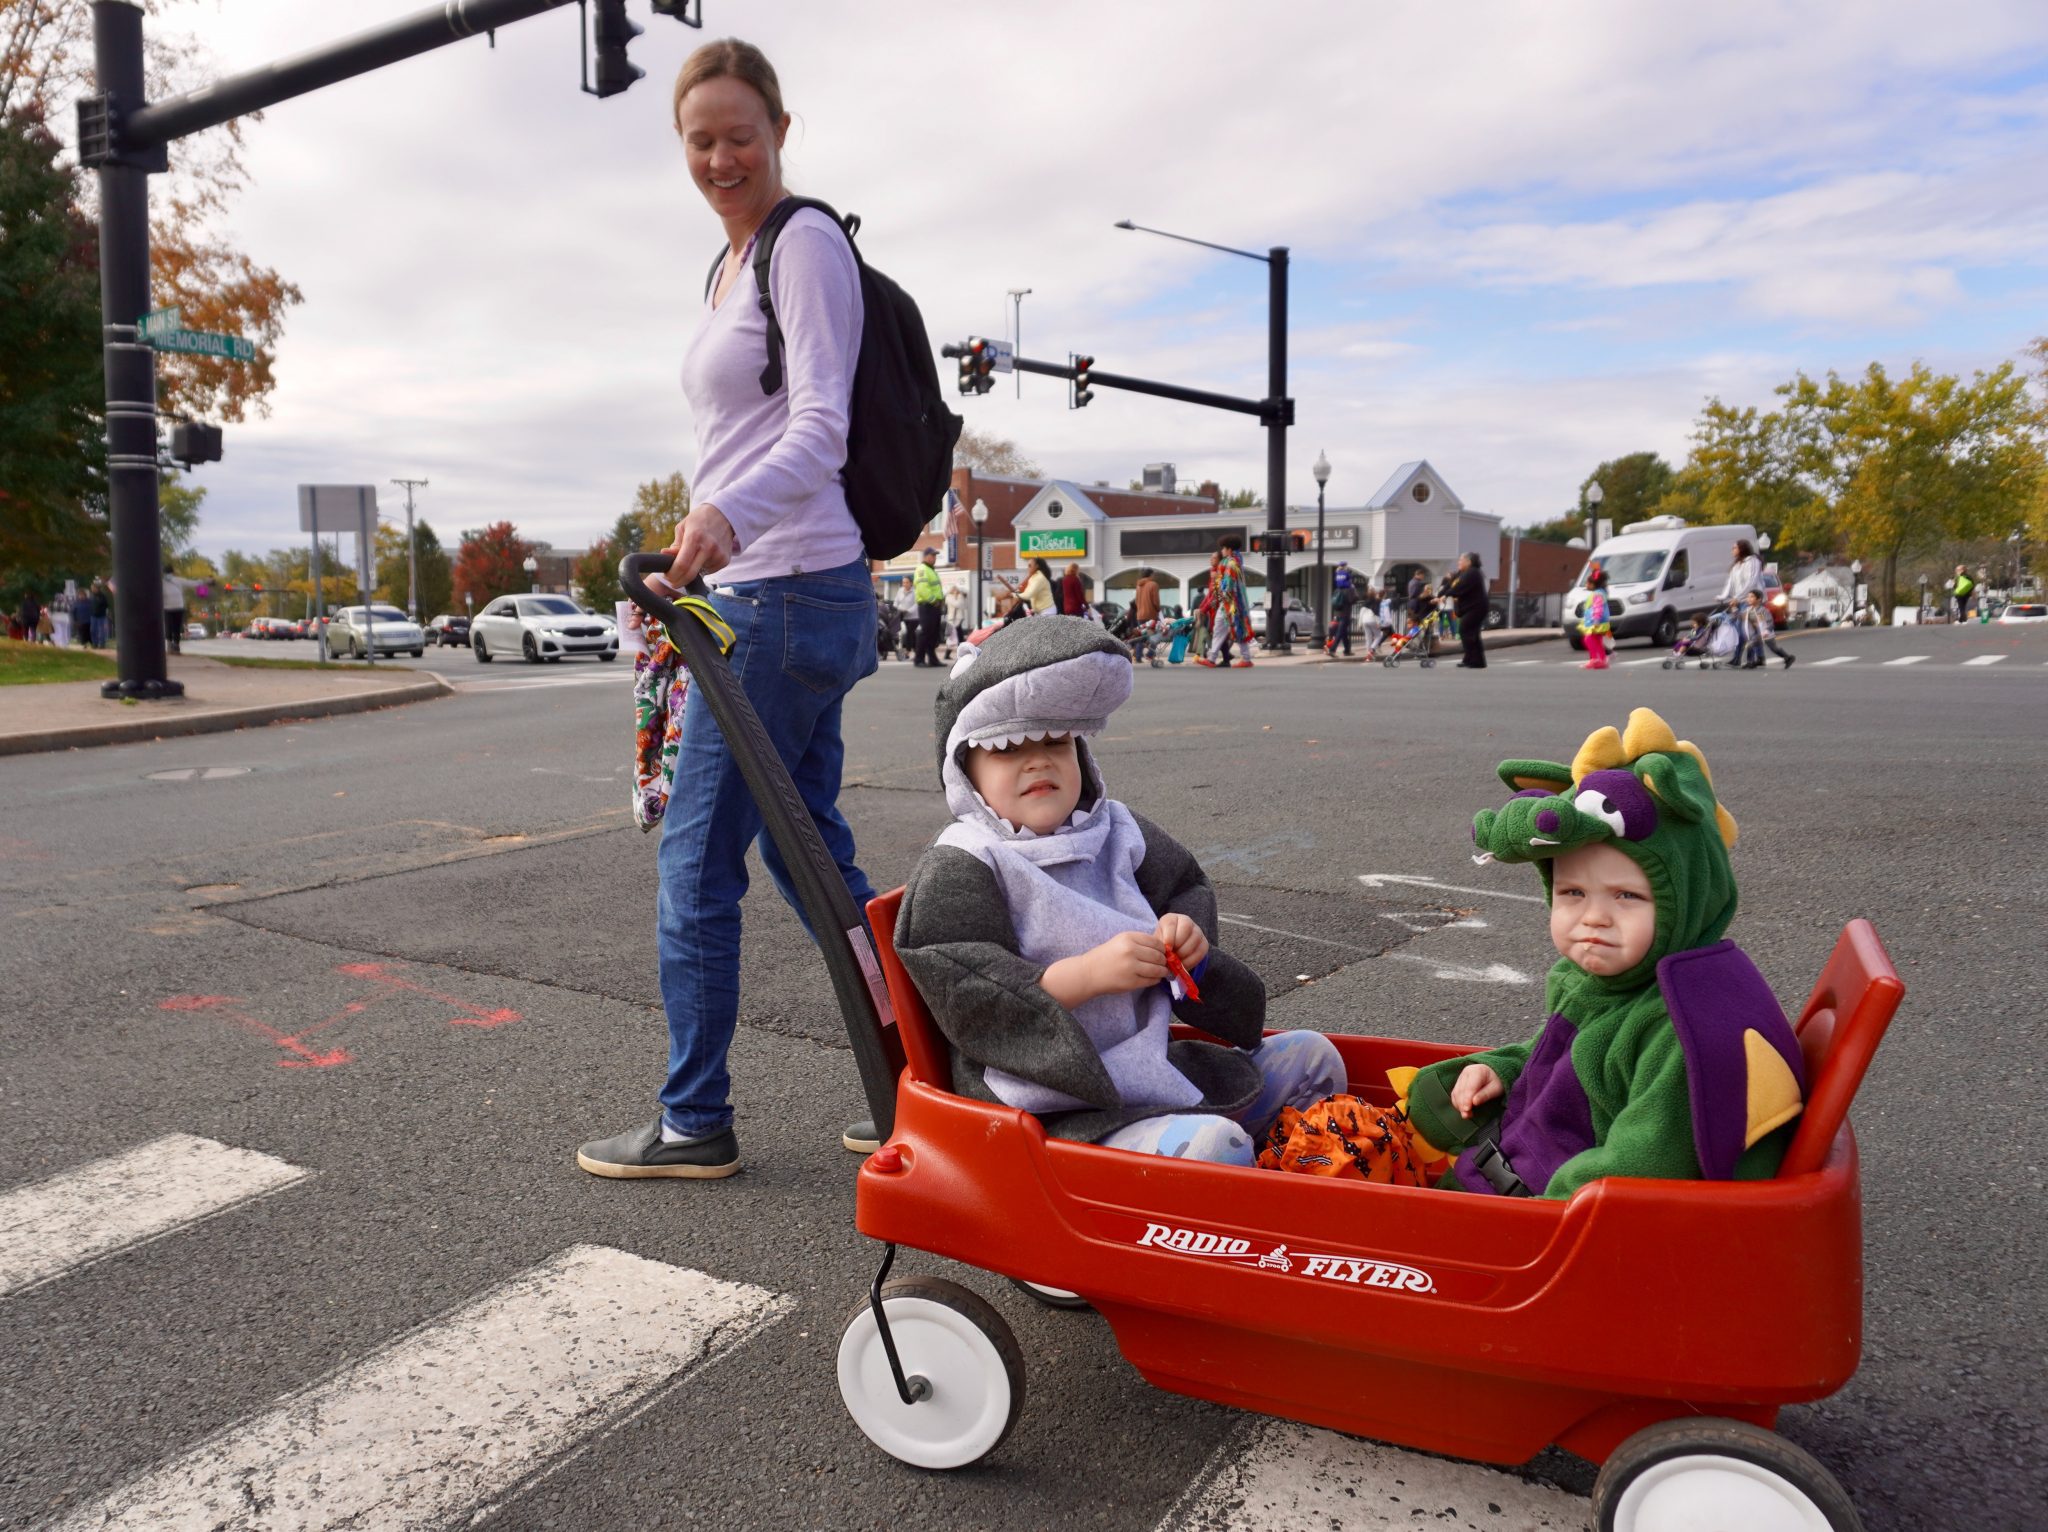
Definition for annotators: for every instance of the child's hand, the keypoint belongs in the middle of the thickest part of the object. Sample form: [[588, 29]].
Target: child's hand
[[1183, 936], [1127, 962], [1477, 1085]]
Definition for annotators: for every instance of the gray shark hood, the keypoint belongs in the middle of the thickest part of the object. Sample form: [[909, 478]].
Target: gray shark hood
[[1036, 677]]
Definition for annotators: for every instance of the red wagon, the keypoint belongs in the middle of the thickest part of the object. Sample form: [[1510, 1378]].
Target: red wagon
[[1654, 1327]]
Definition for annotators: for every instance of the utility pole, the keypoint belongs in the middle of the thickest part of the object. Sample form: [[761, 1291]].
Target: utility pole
[[412, 567], [1017, 296]]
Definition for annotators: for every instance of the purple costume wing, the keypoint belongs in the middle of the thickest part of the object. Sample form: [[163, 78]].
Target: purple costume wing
[[1718, 1003]]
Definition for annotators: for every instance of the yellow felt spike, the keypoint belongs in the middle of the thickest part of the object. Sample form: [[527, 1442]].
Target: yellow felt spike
[[1647, 735], [1725, 823], [1687, 747], [1773, 1091], [1601, 751], [1403, 1081]]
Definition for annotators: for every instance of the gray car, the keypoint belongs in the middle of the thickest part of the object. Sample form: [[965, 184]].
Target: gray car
[[540, 628], [352, 631]]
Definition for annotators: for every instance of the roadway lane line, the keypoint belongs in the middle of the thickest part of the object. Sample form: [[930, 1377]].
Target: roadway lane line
[[1910, 659], [1290, 1475], [1839, 659], [87, 1214], [461, 1413], [1986, 659]]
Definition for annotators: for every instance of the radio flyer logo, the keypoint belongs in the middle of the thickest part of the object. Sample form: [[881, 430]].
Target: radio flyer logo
[[1357, 1271]]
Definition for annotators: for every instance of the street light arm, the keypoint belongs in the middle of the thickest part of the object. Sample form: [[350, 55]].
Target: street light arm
[[1250, 255]]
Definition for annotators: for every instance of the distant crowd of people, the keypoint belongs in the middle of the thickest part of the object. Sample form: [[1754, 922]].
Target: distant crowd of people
[[82, 616]]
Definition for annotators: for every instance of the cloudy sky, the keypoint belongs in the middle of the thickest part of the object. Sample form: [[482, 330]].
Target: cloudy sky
[[1526, 236]]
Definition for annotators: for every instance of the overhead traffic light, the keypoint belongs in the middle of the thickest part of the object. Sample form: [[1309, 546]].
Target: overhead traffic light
[[1079, 393], [977, 366], [611, 34]]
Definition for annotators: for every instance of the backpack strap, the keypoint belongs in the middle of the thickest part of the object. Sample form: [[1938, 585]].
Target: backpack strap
[[764, 252]]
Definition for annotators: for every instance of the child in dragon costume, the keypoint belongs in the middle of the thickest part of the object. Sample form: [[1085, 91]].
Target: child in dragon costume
[[1056, 935], [1665, 1054]]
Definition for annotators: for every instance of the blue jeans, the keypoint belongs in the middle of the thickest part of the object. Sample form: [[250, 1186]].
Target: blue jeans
[[801, 642]]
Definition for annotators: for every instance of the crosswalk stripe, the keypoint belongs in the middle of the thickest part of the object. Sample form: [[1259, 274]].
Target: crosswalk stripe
[[1985, 659], [127, 1199], [1907, 659], [1839, 659], [1291, 1475], [1655, 659], [456, 1415]]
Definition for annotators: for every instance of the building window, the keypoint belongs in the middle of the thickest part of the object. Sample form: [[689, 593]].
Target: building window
[[1420, 493]]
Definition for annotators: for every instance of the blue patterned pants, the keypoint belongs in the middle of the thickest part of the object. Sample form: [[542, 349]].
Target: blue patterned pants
[[1298, 1069]]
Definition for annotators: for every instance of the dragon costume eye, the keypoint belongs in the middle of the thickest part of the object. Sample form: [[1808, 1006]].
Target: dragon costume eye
[[1619, 801]]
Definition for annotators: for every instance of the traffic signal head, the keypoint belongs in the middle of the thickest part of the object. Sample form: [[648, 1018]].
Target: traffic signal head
[[977, 366], [611, 33], [967, 373], [1082, 392], [194, 441]]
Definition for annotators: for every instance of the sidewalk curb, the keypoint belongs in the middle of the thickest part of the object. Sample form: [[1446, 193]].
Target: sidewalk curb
[[124, 731]]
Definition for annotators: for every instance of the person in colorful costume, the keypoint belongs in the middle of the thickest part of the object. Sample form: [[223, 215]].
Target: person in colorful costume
[[1224, 608], [1678, 1064], [1057, 936], [1593, 625]]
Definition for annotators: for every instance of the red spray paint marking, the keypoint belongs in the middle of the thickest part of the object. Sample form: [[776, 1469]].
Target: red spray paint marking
[[473, 1015], [302, 1056]]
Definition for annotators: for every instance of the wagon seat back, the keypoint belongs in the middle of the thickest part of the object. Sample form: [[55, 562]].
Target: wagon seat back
[[1843, 1022], [924, 1045]]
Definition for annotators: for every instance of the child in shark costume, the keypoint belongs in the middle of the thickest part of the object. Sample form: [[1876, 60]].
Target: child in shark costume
[[1676, 1063], [999, 915]]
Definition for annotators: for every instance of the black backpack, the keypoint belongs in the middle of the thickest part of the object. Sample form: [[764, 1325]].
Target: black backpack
[[900, 435]]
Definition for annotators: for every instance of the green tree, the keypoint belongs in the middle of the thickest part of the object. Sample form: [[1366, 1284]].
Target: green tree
[[1903, 465], [178, 506], [596, 575], [437, 572], [1746, 466], [1631, 488], [1242, 500], [52, 453]]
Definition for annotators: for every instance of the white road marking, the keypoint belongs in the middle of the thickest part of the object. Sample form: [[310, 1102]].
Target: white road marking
[[1463, 973], [1985, 659], [1379, 879], [1907, 659], [461, 1413], [1300, 936], [87, 1214], [1289, 1475], [1839, 659], [1655, 659], [1529, 662]]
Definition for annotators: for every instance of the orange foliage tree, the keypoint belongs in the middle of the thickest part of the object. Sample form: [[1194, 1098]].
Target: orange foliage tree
[[491, 562]]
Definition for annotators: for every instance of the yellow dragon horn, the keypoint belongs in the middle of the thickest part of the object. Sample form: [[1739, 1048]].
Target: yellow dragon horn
[[1647, 734], [1601, 751]]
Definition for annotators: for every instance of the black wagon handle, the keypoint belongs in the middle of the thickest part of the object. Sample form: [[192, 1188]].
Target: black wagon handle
[[838, 924]]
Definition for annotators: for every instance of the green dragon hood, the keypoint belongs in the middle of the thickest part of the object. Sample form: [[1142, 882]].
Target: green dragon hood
[[1648, 794]]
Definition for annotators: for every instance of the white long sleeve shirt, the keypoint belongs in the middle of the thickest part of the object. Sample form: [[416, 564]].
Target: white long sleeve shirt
[[1744, 576]]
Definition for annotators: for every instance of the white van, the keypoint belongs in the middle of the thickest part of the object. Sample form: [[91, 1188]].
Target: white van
[[1660, 572]]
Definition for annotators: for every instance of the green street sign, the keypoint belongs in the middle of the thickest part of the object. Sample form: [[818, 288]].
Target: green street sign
[[1054, 543], [206, 343], [161, 322]]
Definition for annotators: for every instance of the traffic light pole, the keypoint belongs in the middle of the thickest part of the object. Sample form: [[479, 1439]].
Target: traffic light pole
[[125, 139]]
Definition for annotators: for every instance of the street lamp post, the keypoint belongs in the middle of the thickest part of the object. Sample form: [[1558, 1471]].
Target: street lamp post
[[532, 568], [1322, 472], [980, 515], [1017, 296], [1855, 584], [1277, 412], [1594, 495]]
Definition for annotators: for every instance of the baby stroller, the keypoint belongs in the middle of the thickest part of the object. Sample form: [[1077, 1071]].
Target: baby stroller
[[1713, 648], [1419, 636], [1180, 633]]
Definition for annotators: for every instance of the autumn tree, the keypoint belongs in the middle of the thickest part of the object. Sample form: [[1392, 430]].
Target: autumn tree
[[491, 562], [1746, 467], [596, 575], [657, 506], [1631, 488], [45, 66], [986, 452], [52, 392]]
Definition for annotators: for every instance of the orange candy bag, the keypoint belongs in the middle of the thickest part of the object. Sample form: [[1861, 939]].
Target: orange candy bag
[[1348, 1138]]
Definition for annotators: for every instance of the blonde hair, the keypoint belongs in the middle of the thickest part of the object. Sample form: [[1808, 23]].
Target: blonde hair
[[741, 61]]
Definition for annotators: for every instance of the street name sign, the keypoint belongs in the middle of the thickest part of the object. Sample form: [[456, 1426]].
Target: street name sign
[[205, 343], [161, 322]]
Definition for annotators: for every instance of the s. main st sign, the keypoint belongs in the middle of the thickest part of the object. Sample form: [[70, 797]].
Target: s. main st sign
[[1053, 543]]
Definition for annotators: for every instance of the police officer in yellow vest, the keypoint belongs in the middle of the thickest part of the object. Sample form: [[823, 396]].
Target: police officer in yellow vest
[[1962, 588], [931, 607]]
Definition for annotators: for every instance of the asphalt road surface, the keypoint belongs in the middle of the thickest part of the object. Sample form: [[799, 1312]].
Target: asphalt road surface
[[300, 1027]]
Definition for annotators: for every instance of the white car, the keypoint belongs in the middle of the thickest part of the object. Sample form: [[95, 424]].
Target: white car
[[2024, 611], [353, 631], [540, 628]]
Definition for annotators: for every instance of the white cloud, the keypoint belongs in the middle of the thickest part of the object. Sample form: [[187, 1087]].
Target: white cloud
[[500, 272]]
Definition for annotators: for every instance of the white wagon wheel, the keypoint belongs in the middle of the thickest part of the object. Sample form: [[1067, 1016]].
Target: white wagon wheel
[[960, 1360], [1679, 1475]]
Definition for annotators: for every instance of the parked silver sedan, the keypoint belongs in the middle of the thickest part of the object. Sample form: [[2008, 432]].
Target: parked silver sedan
[[540, 628]]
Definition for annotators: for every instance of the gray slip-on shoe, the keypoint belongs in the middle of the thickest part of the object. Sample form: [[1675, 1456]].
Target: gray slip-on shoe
[[640, 1154], [861, 1137]]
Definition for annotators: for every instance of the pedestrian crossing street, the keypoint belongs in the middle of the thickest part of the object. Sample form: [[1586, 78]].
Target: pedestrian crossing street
[[471, 1410]]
